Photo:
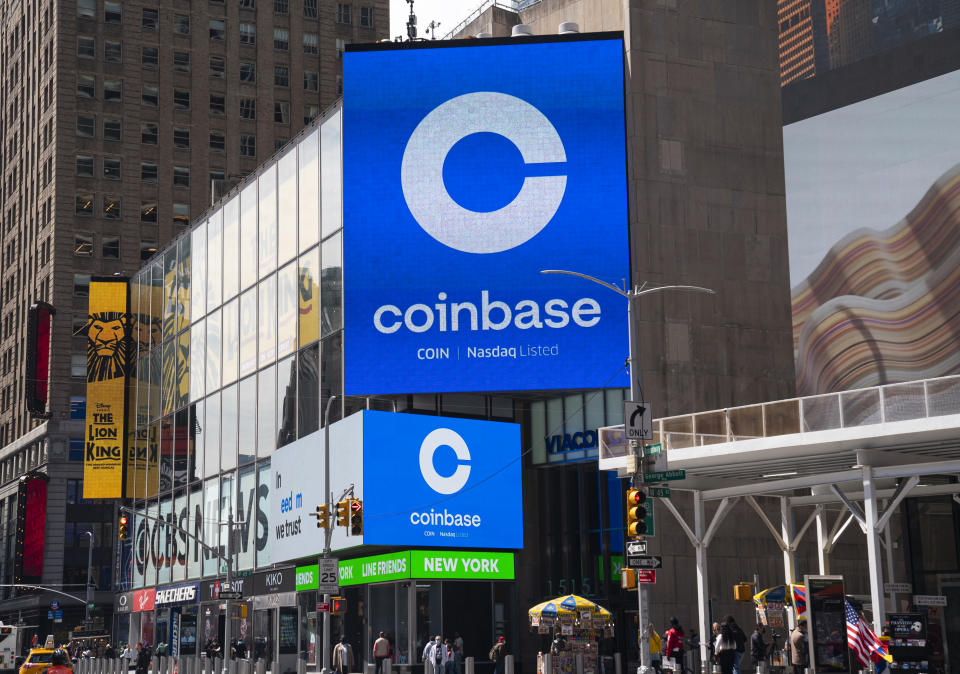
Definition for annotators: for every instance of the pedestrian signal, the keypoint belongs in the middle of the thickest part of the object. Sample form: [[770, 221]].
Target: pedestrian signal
[[323, 516], [123, 529], [343, 513], [636, 512], [338, 605], [356, 517]]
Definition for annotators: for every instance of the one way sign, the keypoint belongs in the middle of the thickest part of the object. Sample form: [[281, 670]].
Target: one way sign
[[637, 420], [644, 562]]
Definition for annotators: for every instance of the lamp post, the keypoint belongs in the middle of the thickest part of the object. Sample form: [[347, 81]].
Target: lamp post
[[86, 619], [328, 532], [632, 296]]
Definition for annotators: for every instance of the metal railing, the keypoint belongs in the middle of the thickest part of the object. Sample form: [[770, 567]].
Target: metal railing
[[510, 5], [889, 403]]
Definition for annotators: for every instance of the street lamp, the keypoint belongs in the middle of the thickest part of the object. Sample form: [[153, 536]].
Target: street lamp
[[89, 573], [632, 296]]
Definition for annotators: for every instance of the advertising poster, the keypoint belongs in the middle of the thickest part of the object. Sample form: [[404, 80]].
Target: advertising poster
[[874, 236], [483, 177], [827, 624], [108, 358]]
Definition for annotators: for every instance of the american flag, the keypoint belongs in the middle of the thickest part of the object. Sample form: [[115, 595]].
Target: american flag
[[861, 638]]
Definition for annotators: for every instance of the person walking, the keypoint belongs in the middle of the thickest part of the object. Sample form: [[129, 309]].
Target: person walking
[[447, 659], [497, 654], [656, 645], [673, 648], [431, 653], [758, 647], [143, 658], [798, 647], [458, 652], [381, 649], [741, 640], [725, 648], [343, 656]]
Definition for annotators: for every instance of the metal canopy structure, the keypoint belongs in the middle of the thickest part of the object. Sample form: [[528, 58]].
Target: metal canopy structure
[[865, 449]]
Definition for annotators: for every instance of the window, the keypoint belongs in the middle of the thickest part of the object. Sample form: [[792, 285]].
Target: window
[[218, 67], [248, 71], [281, 113], [147, 249], [83, 244], [149, 19], [149, 96], [86, 47], [248, 108], [218, 30], [86, 125], [281, 76], [248, 33], [78, 361], [111, 208], [248, 146], [110, 247], [86, 86], [181, 176], [84, 166], [281, 39], [149, 133], [248, 4], [81, 285], [343, 12], [181, 99], [84, 204], [181, 215], [148, 211], [310, 113], [217, 174], [181, 24], [86, 9], [217, 104], [112, 12], [341, 46], [149, 57], [310, 44], [148, 172], [281, 6], [113, 128], [310, 9], [111, 168], [181, 138], [113, 91], [311, 80], [113, 51], [218, 141], [366, 17], [278, 143]]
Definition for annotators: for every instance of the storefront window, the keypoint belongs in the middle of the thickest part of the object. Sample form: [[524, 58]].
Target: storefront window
[[212, 363], [286, 402], [247, 417], [215, 260], [198, 284], [267, 411], [331, 177], [309, 201], [211, 461], [287, 206], [231, 341], [188, 631], [248, 236], [228, 428], [211, 535], [264, 488], [287, 310], [146, 627], [267, 310], [331, 283], [248, 332], [267, 249], [308, 625]]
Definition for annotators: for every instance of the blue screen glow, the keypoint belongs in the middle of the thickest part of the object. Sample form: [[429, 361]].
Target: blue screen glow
[[467, 170]]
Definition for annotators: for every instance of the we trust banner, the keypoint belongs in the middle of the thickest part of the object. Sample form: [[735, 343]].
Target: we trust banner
[[108, 365]]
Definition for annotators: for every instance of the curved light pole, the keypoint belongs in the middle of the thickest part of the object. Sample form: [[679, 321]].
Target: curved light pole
[[89, 572], [632, 296]]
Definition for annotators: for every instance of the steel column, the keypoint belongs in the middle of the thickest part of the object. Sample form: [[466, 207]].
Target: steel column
[[873, 549]]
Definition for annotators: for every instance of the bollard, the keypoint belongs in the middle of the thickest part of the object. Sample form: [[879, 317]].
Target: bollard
[[548, 663], [231, 666], [261, 666], [217, 665], [617, 663], [579, 663], [428, 666], [469, 665], [387, 667], [508, 664], [370, 668]]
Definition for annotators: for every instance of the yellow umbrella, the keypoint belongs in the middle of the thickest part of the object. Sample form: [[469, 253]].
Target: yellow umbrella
[[570, 605]]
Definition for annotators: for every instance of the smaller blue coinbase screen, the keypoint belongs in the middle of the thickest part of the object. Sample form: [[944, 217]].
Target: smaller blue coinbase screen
[[441, 481], [467, 171]]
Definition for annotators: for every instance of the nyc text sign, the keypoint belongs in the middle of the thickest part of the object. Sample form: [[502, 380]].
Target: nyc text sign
[[468, 168]]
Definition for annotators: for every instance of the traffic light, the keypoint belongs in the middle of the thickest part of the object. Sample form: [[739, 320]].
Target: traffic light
[[343, 513], [124, 530], [636, 512], [323, 516], [338, 605], [356, 517]]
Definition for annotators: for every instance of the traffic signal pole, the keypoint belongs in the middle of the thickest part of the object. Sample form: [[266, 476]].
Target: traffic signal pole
[[328, 532]]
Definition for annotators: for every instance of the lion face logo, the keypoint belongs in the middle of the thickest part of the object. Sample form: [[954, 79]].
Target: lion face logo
[[107, 345]]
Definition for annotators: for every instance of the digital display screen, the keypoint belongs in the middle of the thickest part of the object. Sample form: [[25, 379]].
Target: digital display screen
[[826, 610], [468, 169]]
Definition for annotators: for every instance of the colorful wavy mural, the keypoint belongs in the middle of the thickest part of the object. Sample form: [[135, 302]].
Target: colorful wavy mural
[[884, 306]]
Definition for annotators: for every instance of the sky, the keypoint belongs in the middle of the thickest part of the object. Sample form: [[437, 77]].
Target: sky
[[448, 12]]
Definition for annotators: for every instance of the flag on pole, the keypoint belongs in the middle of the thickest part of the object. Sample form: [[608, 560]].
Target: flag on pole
[[861, 638]]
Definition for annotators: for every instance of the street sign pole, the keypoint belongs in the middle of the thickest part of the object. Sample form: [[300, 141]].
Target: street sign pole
[[328, 532]]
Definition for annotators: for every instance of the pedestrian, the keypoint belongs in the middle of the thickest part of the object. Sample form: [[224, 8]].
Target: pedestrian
[[656, 645], [458, 652], [343, 656], [798, 647], [447, 659], [559, 644], [673, 648], [110, 653], [741, 640], [381, 649], [212, 648], [431, 653], [497, 654], [758, 647], [725, 648], [143, 658]]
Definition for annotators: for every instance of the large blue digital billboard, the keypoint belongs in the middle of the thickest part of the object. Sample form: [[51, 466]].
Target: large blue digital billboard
[[468, 168], [441, 482]]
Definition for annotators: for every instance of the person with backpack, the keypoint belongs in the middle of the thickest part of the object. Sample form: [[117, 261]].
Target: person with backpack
[[741, 640], [725, 648], [497, 655]]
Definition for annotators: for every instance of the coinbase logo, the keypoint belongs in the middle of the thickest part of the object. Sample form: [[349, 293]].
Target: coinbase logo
[[421, 173], [444, 437]]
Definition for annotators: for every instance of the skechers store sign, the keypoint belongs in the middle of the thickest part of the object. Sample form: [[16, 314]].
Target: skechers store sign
[[423, 480], [178, 594], [487, 176]]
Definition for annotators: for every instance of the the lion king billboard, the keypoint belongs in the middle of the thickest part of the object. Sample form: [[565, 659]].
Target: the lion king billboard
[[109, 355]]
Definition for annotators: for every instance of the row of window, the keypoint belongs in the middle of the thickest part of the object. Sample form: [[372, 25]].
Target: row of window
[[113, 13], [111, 208], [113, 49], [150, 131]]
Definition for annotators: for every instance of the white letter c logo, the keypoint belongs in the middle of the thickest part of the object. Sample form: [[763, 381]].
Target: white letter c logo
[[437, 438]]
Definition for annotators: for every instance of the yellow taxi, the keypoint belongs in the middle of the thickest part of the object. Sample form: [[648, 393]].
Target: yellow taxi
[[47, 658]]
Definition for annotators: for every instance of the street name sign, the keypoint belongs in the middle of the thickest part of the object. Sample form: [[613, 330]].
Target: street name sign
[[898, 588], [658, 492], [646, 576], [230, 595], [664, 476], [652, 450], [643, 562], [637, 420], [328, 581], [636, 547], [929, 600]]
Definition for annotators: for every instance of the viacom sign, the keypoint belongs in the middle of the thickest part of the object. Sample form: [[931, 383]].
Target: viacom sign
[[484, 176]]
